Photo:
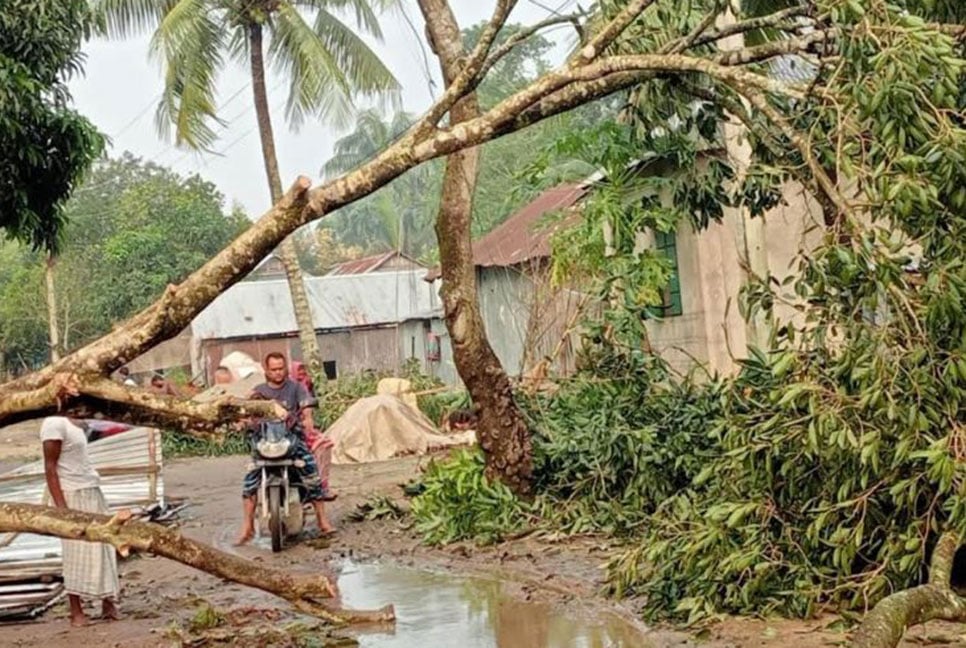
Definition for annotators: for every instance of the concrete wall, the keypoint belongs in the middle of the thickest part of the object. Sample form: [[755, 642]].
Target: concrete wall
[[712, 271]]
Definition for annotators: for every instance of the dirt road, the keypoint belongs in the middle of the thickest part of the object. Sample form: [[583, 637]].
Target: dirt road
[[160, 594]]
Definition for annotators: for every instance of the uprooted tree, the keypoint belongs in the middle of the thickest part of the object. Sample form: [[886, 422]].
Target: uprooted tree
[[875, 133]]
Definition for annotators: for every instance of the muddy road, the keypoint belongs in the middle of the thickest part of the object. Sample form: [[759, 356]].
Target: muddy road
[[530, 592]]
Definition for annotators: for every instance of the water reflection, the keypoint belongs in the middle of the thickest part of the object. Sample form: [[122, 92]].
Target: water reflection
[[440, 610]]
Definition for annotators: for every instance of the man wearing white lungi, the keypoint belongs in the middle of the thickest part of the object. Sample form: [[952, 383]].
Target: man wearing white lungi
[[90, 568]]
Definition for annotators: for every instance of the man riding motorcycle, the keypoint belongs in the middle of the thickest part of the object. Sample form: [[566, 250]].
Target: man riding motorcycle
[[295, 399]]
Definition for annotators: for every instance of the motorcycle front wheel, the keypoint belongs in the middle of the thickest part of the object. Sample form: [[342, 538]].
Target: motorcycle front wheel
[[275, 516]]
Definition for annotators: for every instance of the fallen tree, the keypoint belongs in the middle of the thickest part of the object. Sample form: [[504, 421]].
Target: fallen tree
[[308, 594]]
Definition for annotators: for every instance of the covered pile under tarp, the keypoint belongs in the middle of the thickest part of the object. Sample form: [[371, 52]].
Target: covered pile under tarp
[[380, 427]]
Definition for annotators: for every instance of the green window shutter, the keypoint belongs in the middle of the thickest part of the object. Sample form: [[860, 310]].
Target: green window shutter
[[666, 242]]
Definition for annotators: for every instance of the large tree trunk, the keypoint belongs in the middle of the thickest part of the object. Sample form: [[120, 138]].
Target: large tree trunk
[[51, 294], [286, 251], [503, 433], [307, 593]]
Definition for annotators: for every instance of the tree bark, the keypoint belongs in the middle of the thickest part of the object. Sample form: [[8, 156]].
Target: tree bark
[[286, 251], [305, 593], [503, 434], [884, 626], [51, 294]]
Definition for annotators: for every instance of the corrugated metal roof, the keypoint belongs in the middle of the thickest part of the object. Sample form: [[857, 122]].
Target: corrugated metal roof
[[368, 264], [250, 309], [130, 464], [361, 266], [524, 235]]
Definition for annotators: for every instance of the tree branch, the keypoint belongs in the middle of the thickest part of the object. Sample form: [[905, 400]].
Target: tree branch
[[527, 33], [775, 20], [758, 53], [94, 396], [884, 626], [683, 44], [609, 33], [827, 189], [468, 75], [306, 593]]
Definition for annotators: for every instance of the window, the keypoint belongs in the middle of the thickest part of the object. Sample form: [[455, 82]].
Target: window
[[328, 366], [667, 244]]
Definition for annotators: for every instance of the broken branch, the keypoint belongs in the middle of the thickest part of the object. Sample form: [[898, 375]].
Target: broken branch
[[884, 626], [305, 593]]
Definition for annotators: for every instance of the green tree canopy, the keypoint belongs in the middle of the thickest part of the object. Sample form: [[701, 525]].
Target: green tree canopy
[[45, 147], [133, 228]]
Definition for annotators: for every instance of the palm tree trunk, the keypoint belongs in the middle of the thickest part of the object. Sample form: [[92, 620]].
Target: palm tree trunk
[[503, 432], [286, 251], [52, 328]]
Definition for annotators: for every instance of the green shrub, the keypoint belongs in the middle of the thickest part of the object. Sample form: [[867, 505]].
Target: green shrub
[[178, 444], [459, 503], [607, 452], [832, 479]]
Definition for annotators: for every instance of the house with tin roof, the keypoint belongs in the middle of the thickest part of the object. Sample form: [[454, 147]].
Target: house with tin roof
[[535, 326], [378, 321]]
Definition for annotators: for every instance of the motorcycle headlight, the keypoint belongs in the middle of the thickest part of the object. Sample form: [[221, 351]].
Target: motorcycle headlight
[[273, 449]]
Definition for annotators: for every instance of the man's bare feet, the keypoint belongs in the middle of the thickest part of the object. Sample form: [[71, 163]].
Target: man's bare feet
[[244, 537], [109, 610], [78, 620]]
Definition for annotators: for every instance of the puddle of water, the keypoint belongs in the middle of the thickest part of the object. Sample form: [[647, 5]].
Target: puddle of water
[[435, 609]]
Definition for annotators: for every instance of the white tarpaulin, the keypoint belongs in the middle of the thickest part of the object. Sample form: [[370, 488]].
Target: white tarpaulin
[[380, 427]]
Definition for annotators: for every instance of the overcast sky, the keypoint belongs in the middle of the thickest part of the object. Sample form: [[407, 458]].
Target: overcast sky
[[121, 88]]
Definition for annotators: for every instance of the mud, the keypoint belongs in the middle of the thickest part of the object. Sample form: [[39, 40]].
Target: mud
[[541, 589]]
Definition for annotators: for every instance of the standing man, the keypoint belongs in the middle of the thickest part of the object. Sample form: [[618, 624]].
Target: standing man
[[295, 399], [90, 568]]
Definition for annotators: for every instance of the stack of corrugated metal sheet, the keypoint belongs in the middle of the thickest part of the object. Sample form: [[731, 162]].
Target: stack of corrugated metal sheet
[[30, 565]]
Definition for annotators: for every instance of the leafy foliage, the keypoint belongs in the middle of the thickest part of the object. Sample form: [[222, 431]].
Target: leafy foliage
[[45, 147], [458, 502], [608, 451], [820, 476], [176, 444], [833, 459]]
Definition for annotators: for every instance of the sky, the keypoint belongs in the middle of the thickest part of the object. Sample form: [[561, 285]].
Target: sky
[[122, 85]]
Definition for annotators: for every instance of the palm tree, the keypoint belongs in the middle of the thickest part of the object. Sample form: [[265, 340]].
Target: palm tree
[[327, 65], [371, 135], [398, 216]]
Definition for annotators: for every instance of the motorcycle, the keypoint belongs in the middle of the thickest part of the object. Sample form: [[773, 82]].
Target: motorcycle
[[280, 493]]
